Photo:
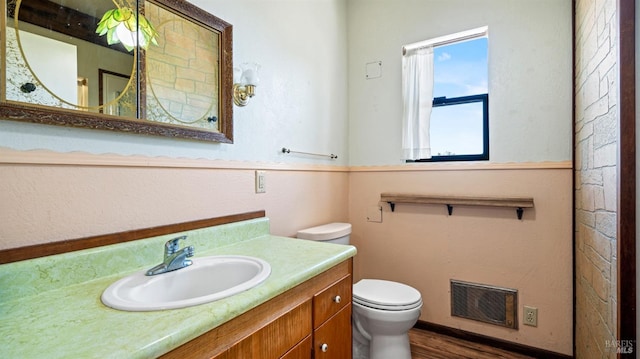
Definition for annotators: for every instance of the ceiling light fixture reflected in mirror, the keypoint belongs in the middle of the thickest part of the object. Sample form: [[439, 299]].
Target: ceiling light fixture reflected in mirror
[[123, 25]]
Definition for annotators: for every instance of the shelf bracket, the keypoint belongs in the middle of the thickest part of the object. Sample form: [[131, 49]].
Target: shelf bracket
[[519, 212], [450, 209], [393, 206]]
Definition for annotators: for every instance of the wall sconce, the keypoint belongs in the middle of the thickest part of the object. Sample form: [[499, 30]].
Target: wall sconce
[[245, 81]]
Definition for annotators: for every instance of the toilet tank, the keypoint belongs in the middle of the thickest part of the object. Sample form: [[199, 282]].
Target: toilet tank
[[331, 233]]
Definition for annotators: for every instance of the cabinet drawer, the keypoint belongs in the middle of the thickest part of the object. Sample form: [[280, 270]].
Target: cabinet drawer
[[329, 301], [333, 339]]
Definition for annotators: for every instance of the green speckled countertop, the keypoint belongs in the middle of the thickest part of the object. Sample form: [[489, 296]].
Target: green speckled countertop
[[50, 307]]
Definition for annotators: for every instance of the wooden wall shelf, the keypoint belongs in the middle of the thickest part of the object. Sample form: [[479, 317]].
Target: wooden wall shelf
[[519, 203]]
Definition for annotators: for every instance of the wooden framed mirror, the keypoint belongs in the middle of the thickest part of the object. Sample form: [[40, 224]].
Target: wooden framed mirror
[[58, 69]]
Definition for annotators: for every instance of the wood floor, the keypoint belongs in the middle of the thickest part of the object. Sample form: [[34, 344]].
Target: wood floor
[[429, 345]]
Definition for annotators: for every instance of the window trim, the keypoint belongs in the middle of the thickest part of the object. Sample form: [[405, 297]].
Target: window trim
[[448, 39], [444, 101]]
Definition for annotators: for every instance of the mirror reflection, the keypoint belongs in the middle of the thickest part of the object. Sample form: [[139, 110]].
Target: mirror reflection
[[181, 70], [152, 60], [55, 58]]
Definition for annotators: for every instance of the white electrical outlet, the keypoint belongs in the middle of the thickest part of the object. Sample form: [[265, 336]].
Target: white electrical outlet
[[261, 185], [531, 316]]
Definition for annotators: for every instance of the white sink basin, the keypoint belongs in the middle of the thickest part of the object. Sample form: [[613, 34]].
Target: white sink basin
[[206, 280]]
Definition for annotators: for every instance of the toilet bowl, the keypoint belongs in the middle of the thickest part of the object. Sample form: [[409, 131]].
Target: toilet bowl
[[383, 311]]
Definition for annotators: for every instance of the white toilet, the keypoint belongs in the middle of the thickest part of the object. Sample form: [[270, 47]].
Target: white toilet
[[383, 311]]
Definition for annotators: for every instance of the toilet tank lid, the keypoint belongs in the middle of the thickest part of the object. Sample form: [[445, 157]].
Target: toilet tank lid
[[325, 232]]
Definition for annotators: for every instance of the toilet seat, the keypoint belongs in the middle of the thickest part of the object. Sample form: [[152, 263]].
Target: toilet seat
[[386, 295]]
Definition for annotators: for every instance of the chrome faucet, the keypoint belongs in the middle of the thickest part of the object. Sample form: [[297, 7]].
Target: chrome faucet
[[174, 257]]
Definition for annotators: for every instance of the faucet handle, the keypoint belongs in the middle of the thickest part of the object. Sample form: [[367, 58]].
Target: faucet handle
[[189, 251], [173, 245]]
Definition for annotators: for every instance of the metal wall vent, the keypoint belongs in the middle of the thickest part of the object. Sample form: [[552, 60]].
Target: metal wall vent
[[485, 303]]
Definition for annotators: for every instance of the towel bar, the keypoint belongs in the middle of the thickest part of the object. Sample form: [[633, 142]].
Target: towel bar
[[286, 150]]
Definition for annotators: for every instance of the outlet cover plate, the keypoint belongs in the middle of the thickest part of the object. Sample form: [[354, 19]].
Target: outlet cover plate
[[530, 316]]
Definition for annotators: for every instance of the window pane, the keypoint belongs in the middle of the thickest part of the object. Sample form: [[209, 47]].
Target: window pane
[[460, 69], [457, 130]]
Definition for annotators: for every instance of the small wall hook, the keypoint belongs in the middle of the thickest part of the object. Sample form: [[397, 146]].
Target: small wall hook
[[28, 87]]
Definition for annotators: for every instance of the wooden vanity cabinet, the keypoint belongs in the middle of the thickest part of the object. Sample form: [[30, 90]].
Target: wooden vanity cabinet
[[311, 320]]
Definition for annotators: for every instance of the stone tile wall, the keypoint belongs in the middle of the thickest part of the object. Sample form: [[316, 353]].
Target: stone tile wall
[[595, 177]]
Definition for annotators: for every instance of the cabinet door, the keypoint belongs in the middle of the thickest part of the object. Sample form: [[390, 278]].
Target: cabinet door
[[300, 351], [223, 355], [277, 337], [333, 338]]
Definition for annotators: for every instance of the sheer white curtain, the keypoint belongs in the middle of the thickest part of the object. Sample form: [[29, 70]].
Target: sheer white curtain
[[417, 94]]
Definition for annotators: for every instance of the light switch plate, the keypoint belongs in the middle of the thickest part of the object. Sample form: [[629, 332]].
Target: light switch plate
[[261, 185]]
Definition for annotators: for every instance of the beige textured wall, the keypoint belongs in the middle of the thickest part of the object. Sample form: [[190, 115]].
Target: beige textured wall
[[595, 166], [422, 246], [46, 196]]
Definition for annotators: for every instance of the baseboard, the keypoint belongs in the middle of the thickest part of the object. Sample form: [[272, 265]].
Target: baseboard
[[493, 342]]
